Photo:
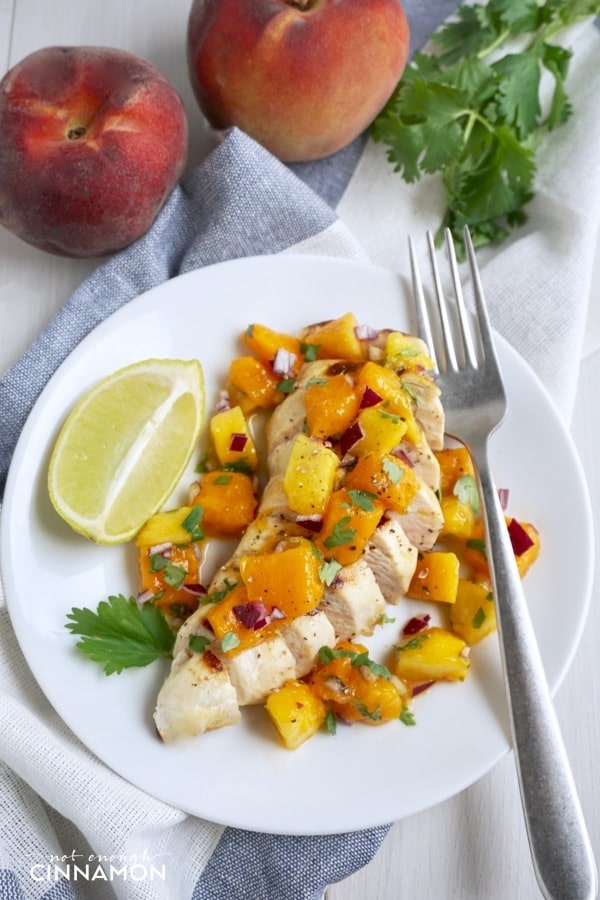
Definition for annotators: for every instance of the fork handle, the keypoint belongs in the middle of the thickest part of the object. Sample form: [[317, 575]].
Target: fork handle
[[560, 846]]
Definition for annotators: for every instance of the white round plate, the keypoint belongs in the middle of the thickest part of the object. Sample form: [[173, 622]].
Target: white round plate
[[241, 776]]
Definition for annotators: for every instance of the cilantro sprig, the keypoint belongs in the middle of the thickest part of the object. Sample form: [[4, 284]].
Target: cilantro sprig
[[472, 110], [121, 635]]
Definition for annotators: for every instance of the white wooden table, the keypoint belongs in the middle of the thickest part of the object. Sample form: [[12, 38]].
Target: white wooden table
[[473, 846]]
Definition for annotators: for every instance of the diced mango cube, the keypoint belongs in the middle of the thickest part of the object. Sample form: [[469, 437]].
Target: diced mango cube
[[391, 481], [288, 579], [228, 502], [433, 654], [354, 687], [403, 351], [331, 407], [309, 476], [232, 440], [252, 384], [436, 577], [296, 712], [454, 463], [337, 339], [395, 398], [459, 519], [264, 342], [382, 431], [473, 616], [166, 528], [349, 522]]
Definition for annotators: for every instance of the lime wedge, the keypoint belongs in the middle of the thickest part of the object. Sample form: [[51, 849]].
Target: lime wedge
[[124, 447]]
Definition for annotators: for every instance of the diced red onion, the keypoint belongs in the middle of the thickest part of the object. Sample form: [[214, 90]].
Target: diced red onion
[[284, 363], [351, 437], [238, 442], [370, 398], [311, 523], [250, 614], [503, 497], [416, 624], [519, 538], [399, 453], [144, 597], [365, 333], [277, 613], [198, 589], [419, 688], [223, 402], [161, 549]]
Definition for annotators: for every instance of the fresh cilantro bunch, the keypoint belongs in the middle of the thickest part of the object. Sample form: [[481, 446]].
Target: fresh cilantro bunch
[[472, 110]]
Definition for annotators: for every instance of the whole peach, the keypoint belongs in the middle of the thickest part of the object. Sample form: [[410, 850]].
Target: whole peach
[[92, 141], [302, 77]]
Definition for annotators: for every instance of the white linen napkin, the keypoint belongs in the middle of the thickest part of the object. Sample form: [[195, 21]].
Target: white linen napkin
[[58, 802]]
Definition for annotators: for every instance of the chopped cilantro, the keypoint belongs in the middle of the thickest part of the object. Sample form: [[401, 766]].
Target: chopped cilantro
[[414, 643], [309, 351], [478, 619], [222, 479], [229, 641], [198, 643], [362, 499], [393, 470], [191, 523], [240, 465], [316, 381], [479, 545], [340, 534], [217, 596], [330, 722], [386, 620], [374, 715], [407, 716], [328, 571], [466, 491], [286, 385]]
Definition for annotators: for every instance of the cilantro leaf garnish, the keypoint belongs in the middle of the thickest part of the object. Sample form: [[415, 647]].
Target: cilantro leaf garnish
[[362, 499], [286, 385], [328, 654], [407, 717], [198, 643], [331, 722], [466, 491], [328, 572], [471, 110], [340, 534], [191, 523], [121, 634], [393, 470], [478, 619], [229, 641], [309, 351]]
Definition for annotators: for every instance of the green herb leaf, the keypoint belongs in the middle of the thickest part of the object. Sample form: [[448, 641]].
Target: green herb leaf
[[174, 575], [393, 470], [121, 634], [340, 534], [328, 571], [363, 659], [374, 715], [229, 641], [407, 716], [217, 596], [479, 545], [191, 523], [286, 385], [331, 722], [222, 479], [198, 643], [471, 110], [362, 499], [414, 643], [466, 491], [478, 619], [309, 351]]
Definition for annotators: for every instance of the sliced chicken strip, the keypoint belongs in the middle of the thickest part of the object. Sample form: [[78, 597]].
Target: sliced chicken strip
[[197, 696], [422, 461], [392, 559], [257, 672], [423, 521], [305, 636], [354, 603], [429, 412]]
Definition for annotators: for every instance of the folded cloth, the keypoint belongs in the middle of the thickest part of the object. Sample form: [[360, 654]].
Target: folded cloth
[[59, 803]]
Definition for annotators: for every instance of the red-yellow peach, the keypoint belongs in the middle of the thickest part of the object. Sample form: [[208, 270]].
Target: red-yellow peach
[[302, 77], [92, 142]]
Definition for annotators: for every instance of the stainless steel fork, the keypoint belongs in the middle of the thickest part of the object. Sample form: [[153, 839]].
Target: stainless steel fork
[[469, 376]]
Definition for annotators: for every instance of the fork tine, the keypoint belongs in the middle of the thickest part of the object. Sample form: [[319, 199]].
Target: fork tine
[[485, 328], [423, 321], [451, 362], [465, 327]]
